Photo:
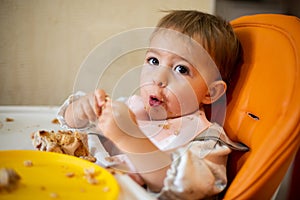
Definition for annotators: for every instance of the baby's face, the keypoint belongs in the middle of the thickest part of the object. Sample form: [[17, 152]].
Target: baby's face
[[174, 76]]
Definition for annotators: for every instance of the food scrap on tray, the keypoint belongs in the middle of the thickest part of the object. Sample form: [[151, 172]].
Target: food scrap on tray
[[9, 179], [65, 142], [55, 121], [9, 119]]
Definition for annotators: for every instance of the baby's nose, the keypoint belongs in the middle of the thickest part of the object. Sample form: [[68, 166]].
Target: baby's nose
[[161, 78]]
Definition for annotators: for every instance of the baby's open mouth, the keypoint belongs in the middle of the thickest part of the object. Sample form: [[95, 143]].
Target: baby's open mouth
[[154, 101]]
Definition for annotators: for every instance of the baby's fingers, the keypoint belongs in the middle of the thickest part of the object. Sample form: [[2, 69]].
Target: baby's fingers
[[100, 100], [100, 96], [97, 108], [88, 110]]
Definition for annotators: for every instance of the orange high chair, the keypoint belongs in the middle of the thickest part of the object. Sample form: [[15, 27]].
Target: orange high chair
[[264, 108]]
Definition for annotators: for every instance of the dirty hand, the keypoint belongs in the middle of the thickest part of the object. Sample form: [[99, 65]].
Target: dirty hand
[[118, 121], [86, 109]]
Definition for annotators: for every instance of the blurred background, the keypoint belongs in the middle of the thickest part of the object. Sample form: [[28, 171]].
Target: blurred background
[[44, 42]]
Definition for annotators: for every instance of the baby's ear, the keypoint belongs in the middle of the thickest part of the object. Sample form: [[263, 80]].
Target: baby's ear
[[215, 91]]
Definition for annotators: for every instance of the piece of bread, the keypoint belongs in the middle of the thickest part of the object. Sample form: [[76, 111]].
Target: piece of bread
[[66, 142], [9, 179]]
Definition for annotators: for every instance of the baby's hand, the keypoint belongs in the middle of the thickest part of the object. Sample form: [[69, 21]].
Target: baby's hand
[[100, 99], [117, 120], [85, 109]]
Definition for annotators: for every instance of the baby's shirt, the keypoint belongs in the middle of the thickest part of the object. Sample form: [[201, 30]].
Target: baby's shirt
[[198, 170], [199, 151]]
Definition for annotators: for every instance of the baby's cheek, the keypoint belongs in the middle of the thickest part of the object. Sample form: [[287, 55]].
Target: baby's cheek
[[182, 102], [174, 109]]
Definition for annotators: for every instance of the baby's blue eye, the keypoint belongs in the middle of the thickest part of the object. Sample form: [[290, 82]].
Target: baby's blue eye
[[153, 61], [182, 69]]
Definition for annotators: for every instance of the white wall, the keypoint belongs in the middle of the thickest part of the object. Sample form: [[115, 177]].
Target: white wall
[[44, 42]]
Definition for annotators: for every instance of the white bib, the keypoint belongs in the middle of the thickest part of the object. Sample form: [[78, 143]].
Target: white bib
[[173, 133]]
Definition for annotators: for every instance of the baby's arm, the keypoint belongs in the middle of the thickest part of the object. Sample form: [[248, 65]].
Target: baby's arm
[[117, 122]]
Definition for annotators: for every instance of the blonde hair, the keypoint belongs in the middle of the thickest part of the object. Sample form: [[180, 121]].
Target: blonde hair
[[212, 32]]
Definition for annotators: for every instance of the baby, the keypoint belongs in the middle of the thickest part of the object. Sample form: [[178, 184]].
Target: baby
[[164, 131]]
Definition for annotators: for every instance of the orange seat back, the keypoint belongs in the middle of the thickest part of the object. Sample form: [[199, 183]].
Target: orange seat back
[[264, 108]]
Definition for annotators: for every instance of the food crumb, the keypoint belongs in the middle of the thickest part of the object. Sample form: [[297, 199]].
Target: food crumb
[[9, 179], [114, 171], [176, 132], [89, 158], [53, 195], [9, 119], [55, 121], [70, 174], [92, 180], [90, 176], [164, 126], [89, 171], [106, 189], [28, 163]]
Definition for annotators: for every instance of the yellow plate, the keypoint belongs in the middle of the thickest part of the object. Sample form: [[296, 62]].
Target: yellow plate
[[48, 177]]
